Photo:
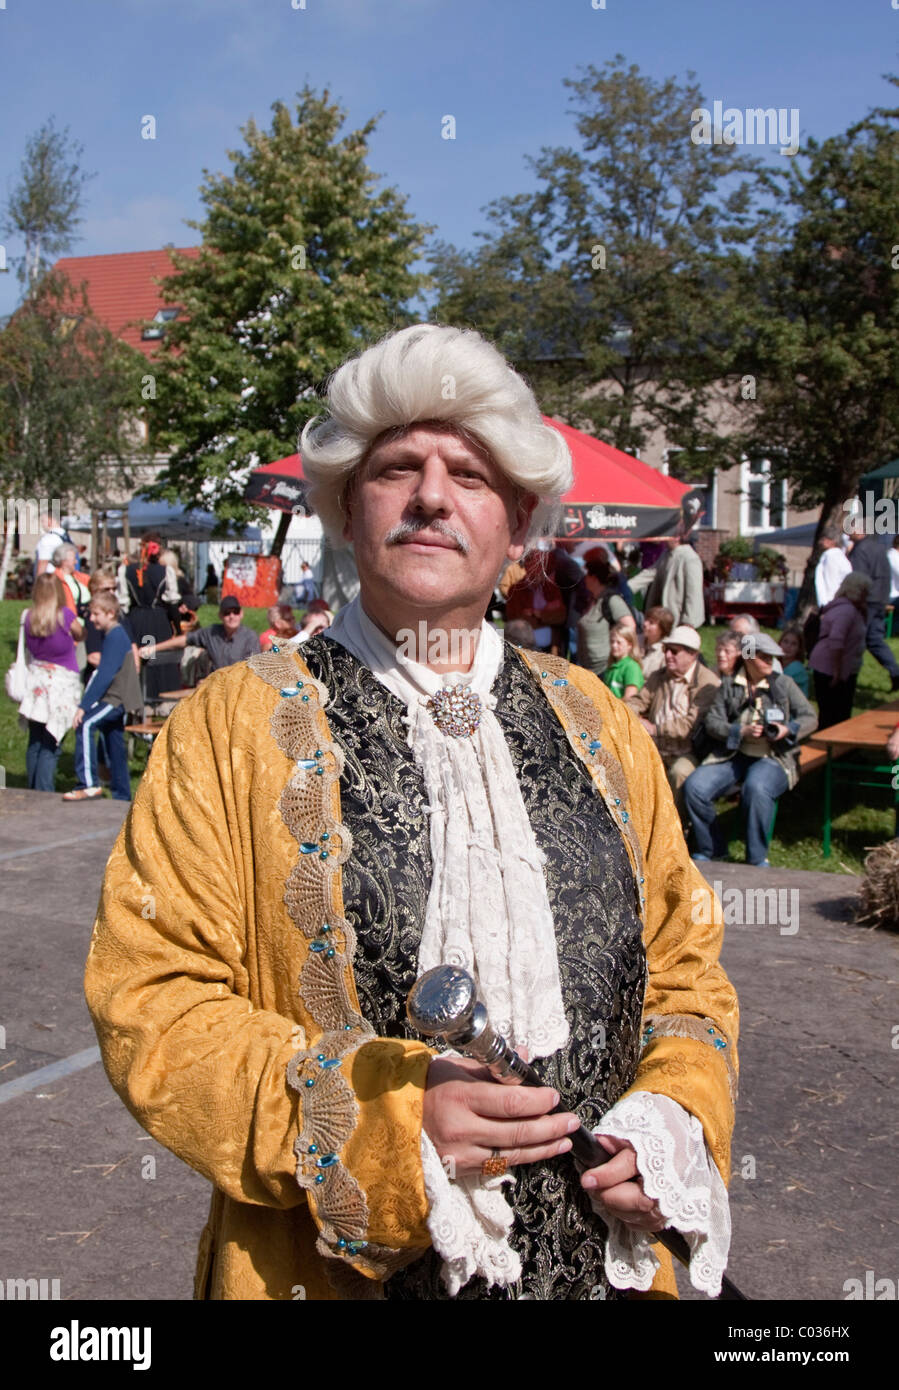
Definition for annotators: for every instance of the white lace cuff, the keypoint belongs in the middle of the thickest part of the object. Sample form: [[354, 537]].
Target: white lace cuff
[[679, 1173], [469, 1220]]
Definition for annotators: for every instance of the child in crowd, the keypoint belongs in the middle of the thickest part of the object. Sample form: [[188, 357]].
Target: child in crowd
[[111, 694], [793, 645], [282, 625], [624, 677]]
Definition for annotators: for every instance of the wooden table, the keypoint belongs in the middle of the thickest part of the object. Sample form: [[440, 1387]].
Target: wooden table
[[150, 727], [868, 730]]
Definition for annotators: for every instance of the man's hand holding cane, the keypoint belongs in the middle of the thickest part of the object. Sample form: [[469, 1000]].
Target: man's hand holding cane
[[470, 1121], [464, 1121]]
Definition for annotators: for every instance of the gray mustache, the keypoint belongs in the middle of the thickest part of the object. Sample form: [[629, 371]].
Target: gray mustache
[[405, 529]]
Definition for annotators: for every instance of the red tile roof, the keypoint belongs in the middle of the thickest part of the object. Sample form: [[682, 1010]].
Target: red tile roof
[[122, 288]]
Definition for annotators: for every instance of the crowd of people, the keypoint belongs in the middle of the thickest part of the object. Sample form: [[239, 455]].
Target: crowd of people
[[735, 729], [102, 647]]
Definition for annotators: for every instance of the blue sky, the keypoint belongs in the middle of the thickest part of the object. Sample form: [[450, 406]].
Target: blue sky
[[202, 67]]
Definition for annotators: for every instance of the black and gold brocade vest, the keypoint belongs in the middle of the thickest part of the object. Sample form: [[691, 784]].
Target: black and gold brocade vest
[[594, 901]]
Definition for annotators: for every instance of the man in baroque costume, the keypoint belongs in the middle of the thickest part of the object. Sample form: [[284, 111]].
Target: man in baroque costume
[[318, 825]]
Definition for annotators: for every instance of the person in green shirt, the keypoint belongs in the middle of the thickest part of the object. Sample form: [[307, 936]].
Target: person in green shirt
[[624, 677]]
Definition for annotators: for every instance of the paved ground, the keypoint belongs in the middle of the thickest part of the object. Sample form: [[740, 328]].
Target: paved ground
[[815, 1152]]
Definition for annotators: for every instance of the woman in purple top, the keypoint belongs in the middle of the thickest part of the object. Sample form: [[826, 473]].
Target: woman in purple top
[[837, 655], [54, 681]]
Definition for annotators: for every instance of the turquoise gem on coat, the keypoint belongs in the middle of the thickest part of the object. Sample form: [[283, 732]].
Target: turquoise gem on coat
[[319, 771], [324, 854], [560, 680], [330, 1062], [305, 763], [319, 1177], [310, 1081], [313, 1148], [305, 699], [307, 847], [710, 1030], [274, 648], [326, 1161], [326, 926], [625, 817], [617, 800], [719, 1043], [594, 744], [356, 1245], [544, 673], [330, 952], [317, 946], [341, 1244], [290, 690]]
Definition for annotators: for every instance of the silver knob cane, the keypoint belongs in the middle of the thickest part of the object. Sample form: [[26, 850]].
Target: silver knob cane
[[443, 1003]]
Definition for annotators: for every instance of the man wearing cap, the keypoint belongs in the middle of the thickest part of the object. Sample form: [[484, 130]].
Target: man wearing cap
[[673, 704], [756, 722], [226, 642]]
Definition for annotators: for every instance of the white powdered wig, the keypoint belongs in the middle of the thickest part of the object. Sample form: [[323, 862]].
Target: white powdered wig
[[424, 373]]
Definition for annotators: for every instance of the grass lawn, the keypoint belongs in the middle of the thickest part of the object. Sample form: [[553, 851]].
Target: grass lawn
[[797, 841]]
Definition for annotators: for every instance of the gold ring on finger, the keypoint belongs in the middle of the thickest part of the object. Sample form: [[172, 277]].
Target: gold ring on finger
[[495, 1166]]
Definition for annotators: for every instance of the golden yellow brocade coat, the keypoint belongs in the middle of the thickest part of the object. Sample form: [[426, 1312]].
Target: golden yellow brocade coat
[[220, 981]]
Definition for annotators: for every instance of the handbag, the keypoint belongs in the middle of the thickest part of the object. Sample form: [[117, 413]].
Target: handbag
[[16, 680]]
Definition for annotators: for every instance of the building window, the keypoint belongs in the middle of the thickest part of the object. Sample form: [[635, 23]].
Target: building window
[[676, 461], [763, 499], [157, 328]]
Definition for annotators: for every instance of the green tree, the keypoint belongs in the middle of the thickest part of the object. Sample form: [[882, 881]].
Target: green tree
[[69, 393], [44, 207], [827, 348], [626, 267], [303, 261]]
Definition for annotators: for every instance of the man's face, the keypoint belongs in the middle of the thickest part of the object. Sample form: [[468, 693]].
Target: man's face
[[432, 518], [231, 621], [678, 660]]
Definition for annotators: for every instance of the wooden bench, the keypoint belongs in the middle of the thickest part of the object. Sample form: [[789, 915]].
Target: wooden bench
[[147, 730], [810, 758]]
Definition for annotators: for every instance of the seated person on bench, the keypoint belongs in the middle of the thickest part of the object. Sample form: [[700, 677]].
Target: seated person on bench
[[755, 723], [672, 703]]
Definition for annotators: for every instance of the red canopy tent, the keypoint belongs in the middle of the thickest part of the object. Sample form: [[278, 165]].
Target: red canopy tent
[[614, 497], [279, 485]]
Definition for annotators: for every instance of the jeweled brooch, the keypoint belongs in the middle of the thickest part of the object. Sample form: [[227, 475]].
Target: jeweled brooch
[[456, 710]]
